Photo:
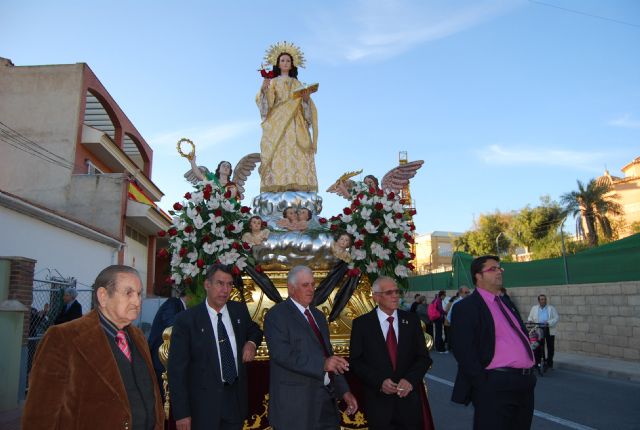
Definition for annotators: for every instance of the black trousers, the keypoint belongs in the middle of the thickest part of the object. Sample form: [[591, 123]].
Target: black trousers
[[503, 401], [437, 328], [550, 341]]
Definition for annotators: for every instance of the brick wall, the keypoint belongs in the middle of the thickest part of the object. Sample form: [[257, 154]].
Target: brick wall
[[21, 286], [595, 319]]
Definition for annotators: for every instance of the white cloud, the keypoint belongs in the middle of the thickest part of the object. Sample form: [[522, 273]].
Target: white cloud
[[380, 29], [203, 137], [625, 121], [496, 154]]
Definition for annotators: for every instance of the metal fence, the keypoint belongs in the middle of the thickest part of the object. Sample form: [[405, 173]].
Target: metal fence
[[45, 308]]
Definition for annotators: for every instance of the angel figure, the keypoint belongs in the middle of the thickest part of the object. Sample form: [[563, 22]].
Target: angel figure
[[289, 219], [222, 177], [340, 247], [394, 180], [304, 216], [257, 234]]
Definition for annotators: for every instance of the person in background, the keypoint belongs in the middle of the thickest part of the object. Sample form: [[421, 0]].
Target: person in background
[[415, 304], [438, 324], [71, 308], [547, 315]]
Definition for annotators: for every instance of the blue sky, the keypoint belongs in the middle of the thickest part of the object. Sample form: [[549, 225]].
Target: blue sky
[[505, 101]]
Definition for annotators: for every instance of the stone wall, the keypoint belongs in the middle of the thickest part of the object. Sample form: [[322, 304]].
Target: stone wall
[[595, 319]]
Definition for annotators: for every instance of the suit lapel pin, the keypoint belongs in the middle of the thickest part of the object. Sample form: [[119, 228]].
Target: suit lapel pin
[[405, 321], [238, 320]]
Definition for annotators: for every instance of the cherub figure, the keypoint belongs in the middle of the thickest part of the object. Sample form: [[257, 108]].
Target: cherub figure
[[394, 180], [340, 247], [304, 215], [289, 219], [222, 177], [257, 234]]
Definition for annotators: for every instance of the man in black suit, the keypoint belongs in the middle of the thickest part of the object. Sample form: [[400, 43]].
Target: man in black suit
[[389, 356], [305, 377], [165, 317], [71, 308], [209, 345], [494, 358]]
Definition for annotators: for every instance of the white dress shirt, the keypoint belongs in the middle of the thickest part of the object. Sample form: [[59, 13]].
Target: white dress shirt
[[384, 324], [226, 320]]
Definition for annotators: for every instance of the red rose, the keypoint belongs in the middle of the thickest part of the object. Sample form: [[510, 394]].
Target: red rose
[[163, 253], [399, 215], [200, 263], [400, 255], [172, 231], [333, 218], [162, 233], [412, 212], [177, 206], [353, 272], [347, 211], [182, 252], [411, 267], [227, 194], [245, 209], [235, 245], [380, 193], [333, 227], [372, 190], [245, 245], [380, 264], [235, 270], [411, 240], [168, 280], [355, 203], [412, 256], [412, 227], [259, 268], [188, 229], [206, 238], [217, 212], [385, 240], [206, 195], [187, 196], [378, 206], [358, 244], [407, 236], [391, 195], [402, 201], [376, 222], [231, 227], [363, 231], [208, 188], [360, 196], [322, 220]]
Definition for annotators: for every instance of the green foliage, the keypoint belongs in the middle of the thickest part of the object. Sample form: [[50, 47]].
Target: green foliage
[[635, 227], [482, 240]]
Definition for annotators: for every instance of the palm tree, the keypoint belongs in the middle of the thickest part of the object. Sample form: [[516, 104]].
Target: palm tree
[[592, 208]]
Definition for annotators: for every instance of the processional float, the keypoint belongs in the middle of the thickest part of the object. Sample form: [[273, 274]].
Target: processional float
[[373, 236]]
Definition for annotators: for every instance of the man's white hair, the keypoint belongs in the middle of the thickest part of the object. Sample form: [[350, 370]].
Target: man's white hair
[[376, 284], [292, 277]]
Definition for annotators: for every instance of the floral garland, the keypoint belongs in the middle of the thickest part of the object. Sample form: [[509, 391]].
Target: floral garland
[[207, 229], [382, 233]]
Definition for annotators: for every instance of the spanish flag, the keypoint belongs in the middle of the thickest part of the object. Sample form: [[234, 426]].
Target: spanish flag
[[136, 194]]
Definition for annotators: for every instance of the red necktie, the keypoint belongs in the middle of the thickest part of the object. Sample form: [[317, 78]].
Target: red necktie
[[121, 340], [316, 330], [392, 343]]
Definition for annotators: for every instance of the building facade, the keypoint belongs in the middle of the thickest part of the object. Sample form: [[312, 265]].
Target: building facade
[[627, 192], [434, 251], [71, 154]]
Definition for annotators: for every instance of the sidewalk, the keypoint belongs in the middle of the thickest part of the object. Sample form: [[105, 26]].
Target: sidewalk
[[607, 367]]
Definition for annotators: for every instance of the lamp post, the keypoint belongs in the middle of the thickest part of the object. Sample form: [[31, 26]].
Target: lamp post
[[497, 244]]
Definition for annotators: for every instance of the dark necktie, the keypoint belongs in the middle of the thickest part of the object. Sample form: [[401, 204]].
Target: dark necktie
[[316, 330], [229, 373], [392, 343], [518, 331]]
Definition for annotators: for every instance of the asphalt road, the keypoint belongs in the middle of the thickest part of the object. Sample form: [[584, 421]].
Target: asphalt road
[[564, 400]]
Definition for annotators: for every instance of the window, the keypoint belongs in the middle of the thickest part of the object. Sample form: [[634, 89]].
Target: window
[[92, 169], [136, 235]]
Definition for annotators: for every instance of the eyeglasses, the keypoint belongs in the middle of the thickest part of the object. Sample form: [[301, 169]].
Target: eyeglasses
[[395, 292], [493, 269]]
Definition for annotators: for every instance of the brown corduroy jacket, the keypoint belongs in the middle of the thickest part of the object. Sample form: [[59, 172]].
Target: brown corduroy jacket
[[75, 382]]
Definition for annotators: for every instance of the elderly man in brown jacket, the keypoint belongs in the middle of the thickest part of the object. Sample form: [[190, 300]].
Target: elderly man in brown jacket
[[95, 372]]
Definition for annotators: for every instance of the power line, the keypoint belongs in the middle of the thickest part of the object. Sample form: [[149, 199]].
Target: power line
[[18, 141], [585, 13]]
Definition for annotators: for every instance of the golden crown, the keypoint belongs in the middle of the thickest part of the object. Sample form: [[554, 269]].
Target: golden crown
[[274, 51]]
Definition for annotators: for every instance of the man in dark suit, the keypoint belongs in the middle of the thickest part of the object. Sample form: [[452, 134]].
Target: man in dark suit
[[209, 345], [95, 372], [494, 358], [71, 308], [165, 317], [389, 356], [305, 377]]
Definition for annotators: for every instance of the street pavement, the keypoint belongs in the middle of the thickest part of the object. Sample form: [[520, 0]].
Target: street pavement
[[564, 399]]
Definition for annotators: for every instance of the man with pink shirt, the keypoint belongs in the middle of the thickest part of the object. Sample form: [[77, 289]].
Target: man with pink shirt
[[494, 358]]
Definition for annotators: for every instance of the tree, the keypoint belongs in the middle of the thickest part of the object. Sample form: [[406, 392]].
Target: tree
[[482, 240], [536, 228], [592, 206]]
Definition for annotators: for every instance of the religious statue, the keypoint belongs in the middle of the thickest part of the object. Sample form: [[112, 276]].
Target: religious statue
[[287, 147], [257, 233], [289, 219], [340, 247], [232, 185], [393, 181]]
